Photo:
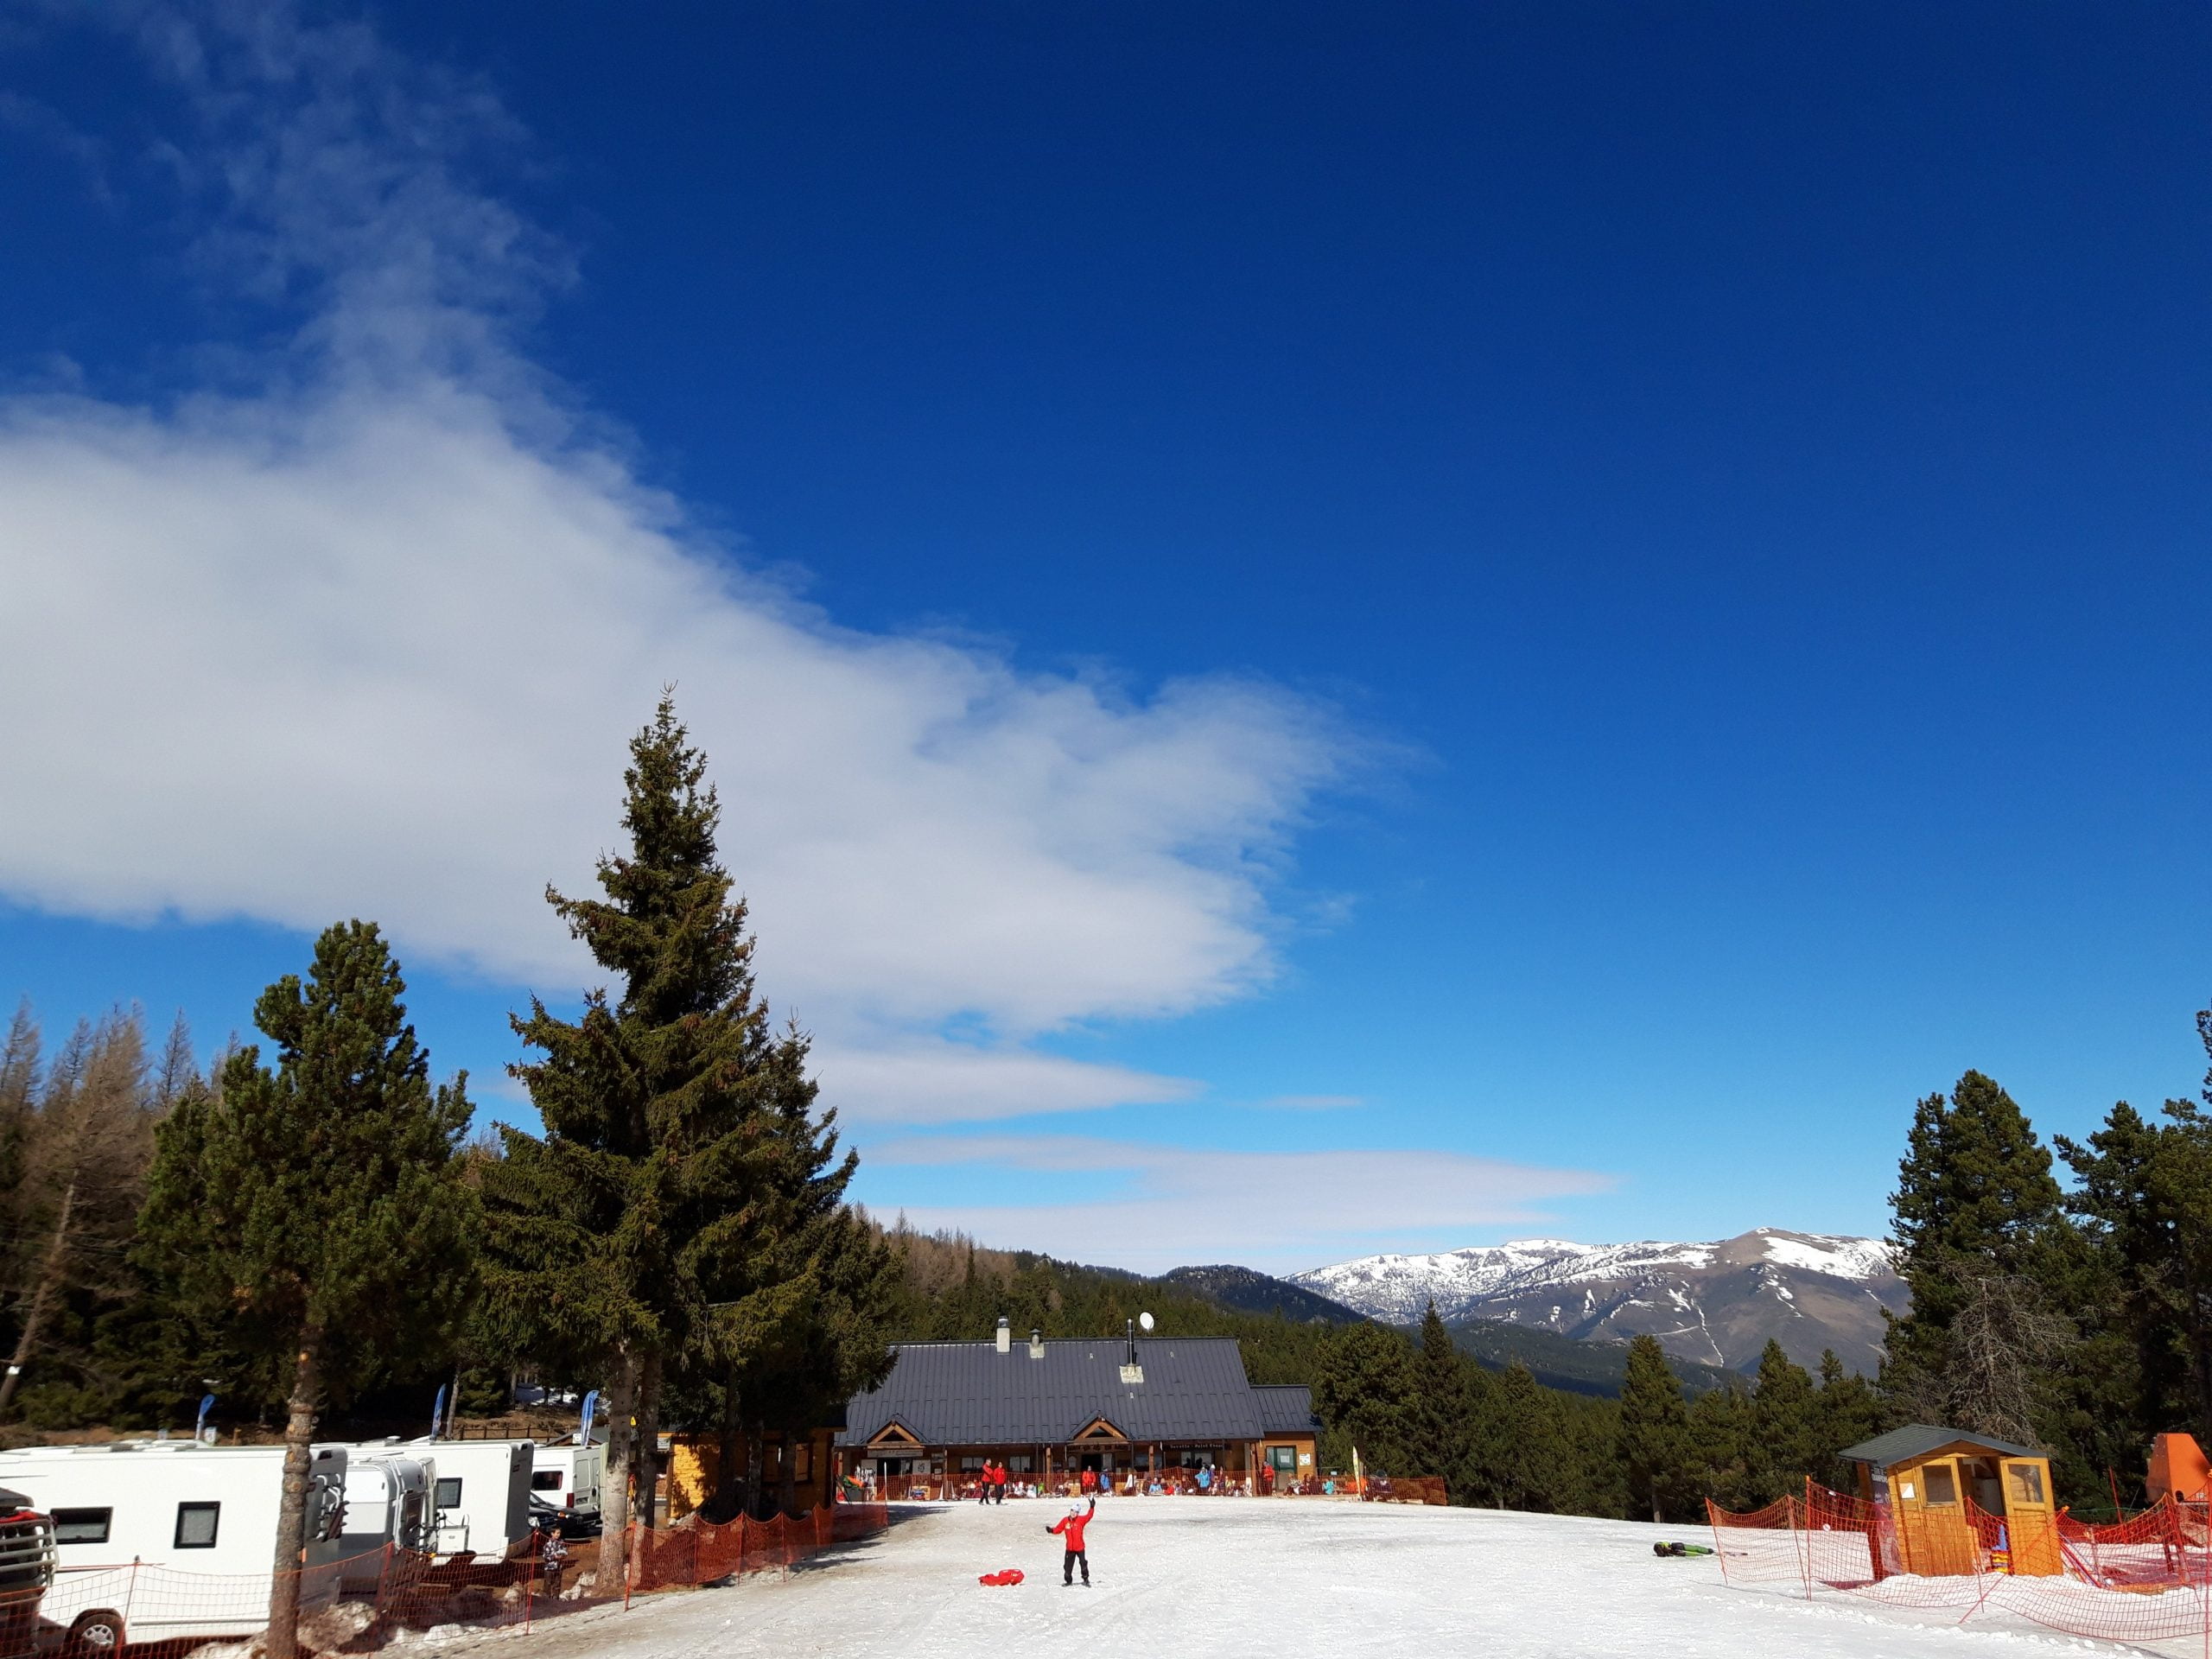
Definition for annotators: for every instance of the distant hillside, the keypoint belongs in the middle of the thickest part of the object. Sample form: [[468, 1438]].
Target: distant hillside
[[1577, 1365], [1249, 1291]]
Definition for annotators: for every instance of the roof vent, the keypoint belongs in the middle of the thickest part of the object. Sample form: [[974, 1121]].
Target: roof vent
[[1005, 1337], [1036, 1344]]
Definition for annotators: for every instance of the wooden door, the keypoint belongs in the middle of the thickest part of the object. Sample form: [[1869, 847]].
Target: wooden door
[[2031, 1523]]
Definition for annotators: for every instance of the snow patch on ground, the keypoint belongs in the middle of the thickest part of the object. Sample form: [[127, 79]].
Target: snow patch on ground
[[1261, 1578]]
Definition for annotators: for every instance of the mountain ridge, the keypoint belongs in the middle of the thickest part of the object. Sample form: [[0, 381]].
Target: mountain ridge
[[1712, 1303]]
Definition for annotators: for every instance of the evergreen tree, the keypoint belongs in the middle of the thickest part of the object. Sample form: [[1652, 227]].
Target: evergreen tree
[[659, 1192], [1720, 1431], [1441, 1410], [1365, 1390], [1981, 1231], [311, 1210], [1534, 1462], [1846, 1411], [1779, 1452], [2145, 1199], [1653, 1430]]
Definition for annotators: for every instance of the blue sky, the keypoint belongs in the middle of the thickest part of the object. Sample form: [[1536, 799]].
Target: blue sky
[[1324, 632]]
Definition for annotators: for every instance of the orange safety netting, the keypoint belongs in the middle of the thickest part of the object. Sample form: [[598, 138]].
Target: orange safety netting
[[2147, 1578], [355, 1606]]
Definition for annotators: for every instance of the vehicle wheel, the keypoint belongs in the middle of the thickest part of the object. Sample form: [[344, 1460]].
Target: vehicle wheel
[[95, 1635]]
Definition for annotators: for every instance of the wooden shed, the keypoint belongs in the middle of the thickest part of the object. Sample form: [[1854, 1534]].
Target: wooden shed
[[1931, 1479]]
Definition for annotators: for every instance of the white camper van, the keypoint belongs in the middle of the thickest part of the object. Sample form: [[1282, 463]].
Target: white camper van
[[564, 1481], [388, 1495], [155, 1539], [482, 1494]]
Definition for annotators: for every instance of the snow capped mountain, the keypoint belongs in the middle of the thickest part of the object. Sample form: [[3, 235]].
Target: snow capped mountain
[[1717, 1303]]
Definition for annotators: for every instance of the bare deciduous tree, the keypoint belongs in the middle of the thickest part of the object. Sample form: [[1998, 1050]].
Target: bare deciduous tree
[[85, 1151]]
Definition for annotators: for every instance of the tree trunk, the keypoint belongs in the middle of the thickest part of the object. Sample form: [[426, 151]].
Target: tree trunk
[[49, 1280], [614, 1487], [755, 1446], [788, 1497], [729, 1454], [291, 1516], [644, 1456]]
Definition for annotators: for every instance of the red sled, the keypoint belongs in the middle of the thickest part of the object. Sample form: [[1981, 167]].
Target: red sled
[[1004, 1576]]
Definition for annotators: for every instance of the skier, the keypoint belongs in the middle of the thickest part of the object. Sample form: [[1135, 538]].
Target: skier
[[1070, 1526], [998, 1482], [983, 1483]]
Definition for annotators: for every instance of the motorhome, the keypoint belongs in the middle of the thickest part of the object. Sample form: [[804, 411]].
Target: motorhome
[[161, 1539], [482, 1494], [565, 1479], [388, 1502]]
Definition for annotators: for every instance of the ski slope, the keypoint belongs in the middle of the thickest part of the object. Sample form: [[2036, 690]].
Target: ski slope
[[1260, 1577]]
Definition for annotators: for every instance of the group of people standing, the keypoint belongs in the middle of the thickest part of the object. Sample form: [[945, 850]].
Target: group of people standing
[[990, 1488]]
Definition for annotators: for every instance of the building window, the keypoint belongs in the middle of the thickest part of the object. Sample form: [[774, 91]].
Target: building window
[[195, 1525], [81, 1526], [971, 1465], [448, 1493], [1020, 1464]]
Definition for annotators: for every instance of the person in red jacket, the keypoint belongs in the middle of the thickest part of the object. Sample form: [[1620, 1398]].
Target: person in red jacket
[[1069, 1527]]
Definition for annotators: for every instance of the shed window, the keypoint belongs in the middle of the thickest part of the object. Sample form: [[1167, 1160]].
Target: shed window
[[448, 1495], [195, 1525], [2027, 1482], [81, 1526], [1941, 1488]]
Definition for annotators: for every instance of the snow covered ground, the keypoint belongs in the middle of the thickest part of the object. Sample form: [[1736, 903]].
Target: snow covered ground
[[1272, 1578]]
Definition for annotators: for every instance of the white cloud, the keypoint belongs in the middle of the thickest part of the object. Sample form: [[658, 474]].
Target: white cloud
[[368, 637], [1153, 1207]]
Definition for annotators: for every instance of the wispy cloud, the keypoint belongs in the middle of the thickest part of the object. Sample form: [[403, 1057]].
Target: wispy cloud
[[1154, 1207], [367, 636]]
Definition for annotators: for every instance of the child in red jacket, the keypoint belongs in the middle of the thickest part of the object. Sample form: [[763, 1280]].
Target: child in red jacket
[[1070, 1526]]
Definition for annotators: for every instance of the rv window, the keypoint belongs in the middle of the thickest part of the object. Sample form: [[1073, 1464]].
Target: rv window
[[195, 1525], [81, 1526], [545, 1480], [449, 1492]]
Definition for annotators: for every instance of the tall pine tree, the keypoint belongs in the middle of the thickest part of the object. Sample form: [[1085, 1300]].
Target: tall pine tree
[[1981, 1231], [661, 1197], [311, 1211], [1653, 1430]]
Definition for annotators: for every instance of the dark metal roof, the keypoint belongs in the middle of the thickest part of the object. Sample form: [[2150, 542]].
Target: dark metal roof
[[1917, 1439], [1287, 1408], [968, 1394]]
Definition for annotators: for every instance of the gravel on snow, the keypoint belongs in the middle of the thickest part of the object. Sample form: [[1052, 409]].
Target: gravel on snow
[[1264, 1577]]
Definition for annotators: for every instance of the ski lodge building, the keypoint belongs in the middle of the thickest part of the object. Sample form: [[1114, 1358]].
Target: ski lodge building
[[1130, 1409]]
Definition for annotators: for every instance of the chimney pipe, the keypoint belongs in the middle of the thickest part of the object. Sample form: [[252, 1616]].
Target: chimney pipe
[[1005, 1337], [1036, 1344]]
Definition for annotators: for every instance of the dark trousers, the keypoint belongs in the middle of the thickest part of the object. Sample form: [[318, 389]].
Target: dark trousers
[[1068, 1567]]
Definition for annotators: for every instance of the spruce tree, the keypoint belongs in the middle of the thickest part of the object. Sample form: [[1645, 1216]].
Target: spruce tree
[[311, 1210], [1979, 1226], [1845, 1412], [1779, 1449], [661, 1196], [1654, 1429], [1365, 1390], [1440, 1441]]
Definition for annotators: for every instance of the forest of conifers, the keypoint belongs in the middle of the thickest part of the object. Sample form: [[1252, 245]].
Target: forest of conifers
[[304, 1226]]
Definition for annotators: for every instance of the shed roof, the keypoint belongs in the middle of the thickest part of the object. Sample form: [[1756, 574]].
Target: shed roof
[[970, 1394], [1287, 1408], [1918, 1439]]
